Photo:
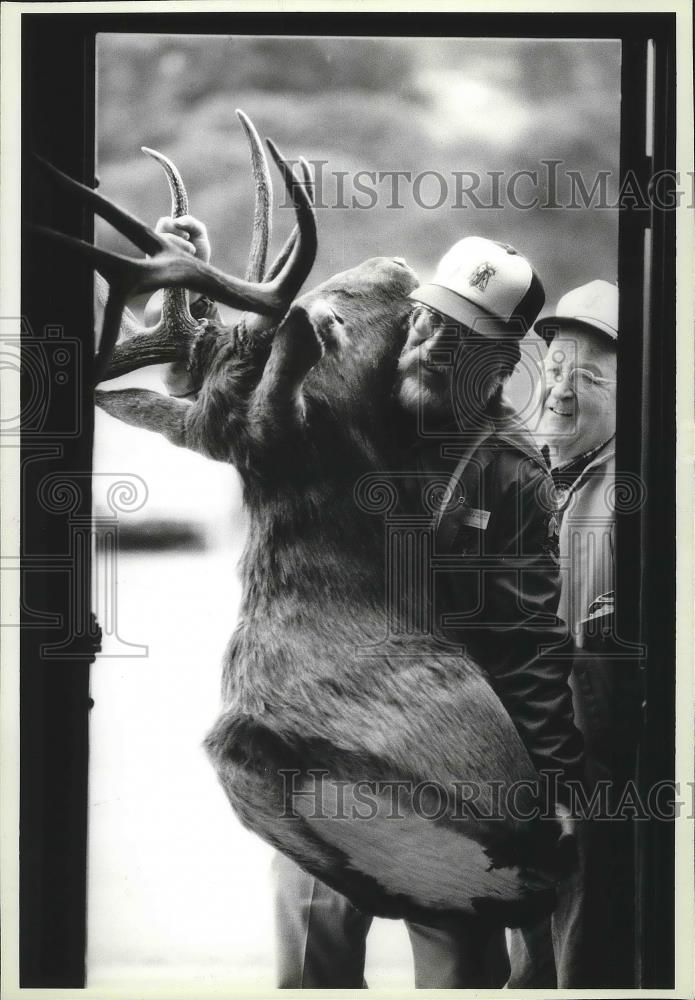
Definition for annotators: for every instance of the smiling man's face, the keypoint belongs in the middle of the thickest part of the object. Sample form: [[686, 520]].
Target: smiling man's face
[[578, 413]]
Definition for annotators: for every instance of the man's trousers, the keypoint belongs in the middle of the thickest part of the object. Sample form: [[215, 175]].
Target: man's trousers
[[589, 942], [321, 941]]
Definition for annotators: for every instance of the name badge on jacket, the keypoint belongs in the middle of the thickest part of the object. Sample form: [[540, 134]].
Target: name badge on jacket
[[473, 517], [459, 530]]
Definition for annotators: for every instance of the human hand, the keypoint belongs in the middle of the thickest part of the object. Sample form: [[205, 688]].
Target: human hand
[[190, 235], [186, 233]]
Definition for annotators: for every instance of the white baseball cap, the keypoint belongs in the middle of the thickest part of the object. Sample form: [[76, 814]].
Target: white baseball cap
[[486, 286], [593, 305]]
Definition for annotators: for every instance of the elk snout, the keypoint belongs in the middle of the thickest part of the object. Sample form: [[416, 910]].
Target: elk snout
[[396, 271]]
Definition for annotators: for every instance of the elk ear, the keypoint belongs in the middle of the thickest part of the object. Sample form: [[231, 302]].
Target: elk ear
[[306, 334], [276, 407], [151, 410]]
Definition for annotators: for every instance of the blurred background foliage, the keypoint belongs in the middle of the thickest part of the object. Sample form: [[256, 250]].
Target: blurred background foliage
[[441, 104], [484, 105]]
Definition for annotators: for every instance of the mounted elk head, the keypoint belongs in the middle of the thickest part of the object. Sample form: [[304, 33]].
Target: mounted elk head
[[317, 705]]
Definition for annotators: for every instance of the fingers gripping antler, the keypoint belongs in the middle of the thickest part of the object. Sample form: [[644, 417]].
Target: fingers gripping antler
[[176, 316], [142, 346], [168, 267], [172, 336]]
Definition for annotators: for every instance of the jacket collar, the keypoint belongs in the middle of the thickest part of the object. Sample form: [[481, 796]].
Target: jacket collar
[[602, 457], [507, 427], [499, 424], [567, 473]]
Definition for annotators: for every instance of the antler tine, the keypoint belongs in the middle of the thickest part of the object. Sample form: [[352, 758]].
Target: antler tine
[[284, 254], [136, 231], [114, 266], [123, 272], [303, 252], [110, 328], [176, 315], [308, 177], [129, 324], [263, 202], [179, 195], [149, 348]]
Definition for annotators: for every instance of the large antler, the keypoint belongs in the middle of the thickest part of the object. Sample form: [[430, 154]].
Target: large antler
[[171, 339], [167, 267]]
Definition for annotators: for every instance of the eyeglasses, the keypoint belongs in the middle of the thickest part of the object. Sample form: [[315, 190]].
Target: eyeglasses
[[577, 378], [435, 318], [439, 323]]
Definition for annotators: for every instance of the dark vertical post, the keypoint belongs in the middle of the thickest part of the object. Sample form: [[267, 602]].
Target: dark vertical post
[[657, 759], [56, 446], [629, 453], [646, 536]]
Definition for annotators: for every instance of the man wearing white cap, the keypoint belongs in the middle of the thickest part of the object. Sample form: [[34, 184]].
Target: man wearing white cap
[[591, 927], [462, 345], [577, 427], [483, 299]]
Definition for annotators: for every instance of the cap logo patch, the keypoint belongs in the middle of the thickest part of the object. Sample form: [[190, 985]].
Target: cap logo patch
[[481, 276]]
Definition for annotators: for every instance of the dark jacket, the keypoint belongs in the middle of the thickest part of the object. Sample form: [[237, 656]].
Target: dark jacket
[[496, 579]]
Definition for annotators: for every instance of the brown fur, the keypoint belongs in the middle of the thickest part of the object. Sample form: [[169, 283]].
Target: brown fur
[[302, 423], [303, 412]]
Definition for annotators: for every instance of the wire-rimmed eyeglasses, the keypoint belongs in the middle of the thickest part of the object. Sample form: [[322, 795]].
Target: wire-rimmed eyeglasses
[[577, 378]]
